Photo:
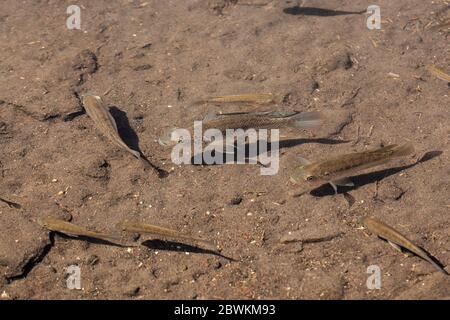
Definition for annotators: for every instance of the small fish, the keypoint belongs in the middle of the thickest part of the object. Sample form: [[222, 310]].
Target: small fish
[[264, 120], [396, 239], [336, 170], [104, 121], [438, 73], [59, 225], [252, 98], [139, 227], [256, 120]]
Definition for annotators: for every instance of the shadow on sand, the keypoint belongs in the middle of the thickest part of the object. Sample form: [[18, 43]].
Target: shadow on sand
[[310, 11], [90, 239], [131, 139], [180, 247], [283, 144]]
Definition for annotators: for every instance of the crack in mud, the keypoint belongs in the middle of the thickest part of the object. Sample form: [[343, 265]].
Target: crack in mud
[[22, 109], [27, 265]]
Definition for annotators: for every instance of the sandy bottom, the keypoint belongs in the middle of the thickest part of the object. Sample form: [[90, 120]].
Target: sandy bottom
[[149, 61]]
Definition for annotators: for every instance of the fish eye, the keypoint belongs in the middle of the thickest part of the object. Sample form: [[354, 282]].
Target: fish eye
[[309, 178]]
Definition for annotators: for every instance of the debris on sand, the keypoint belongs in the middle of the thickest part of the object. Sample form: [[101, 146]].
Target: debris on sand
[[438, 73]]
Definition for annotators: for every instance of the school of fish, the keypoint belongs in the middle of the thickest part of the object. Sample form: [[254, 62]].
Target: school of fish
[[334, 170]]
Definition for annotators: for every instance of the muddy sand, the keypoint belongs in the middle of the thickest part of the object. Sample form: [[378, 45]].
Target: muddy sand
[[149, 60]]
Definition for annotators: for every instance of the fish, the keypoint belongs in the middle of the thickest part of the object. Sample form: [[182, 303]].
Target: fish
[[139, 227], [99, 113], [256, 120], [313, 11], [96, 109], [337, 170], [438, 73], [58, 225], [263, 120], [251, 98], [397, 240]]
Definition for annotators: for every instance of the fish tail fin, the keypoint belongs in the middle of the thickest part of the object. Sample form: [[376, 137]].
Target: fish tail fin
[[135, 153], [433, 261], [145, 163], [307, 120], [403, 150], [438, 267]]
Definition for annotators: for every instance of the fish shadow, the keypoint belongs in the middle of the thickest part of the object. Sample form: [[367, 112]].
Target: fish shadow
[[131, 139], [367, 178], [89, 239], [320, 12], [180, 247], [11, 204], [126, 132], [289, 143], [283, 144]]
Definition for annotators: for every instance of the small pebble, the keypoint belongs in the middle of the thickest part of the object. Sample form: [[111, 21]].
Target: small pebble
[[5, 296]]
